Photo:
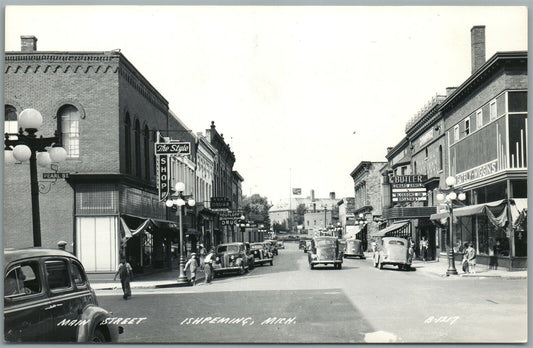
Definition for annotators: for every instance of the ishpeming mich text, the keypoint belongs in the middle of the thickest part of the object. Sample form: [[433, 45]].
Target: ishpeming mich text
[[244, 321]]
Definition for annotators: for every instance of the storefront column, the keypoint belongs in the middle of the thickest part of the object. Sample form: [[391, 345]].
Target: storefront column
[[510, 230]]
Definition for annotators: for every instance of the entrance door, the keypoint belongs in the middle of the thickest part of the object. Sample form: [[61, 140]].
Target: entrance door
[[97, 243]]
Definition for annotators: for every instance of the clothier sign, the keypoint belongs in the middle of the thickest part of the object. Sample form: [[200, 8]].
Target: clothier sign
[[408, 188]]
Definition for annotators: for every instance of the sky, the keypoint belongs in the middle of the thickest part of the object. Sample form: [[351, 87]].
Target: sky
[[302, 94]]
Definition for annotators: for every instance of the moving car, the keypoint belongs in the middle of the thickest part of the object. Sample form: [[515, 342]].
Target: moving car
[[354, 248], [303, 241], [261, 254], [230, 257], [325, 250], [44, 291], [273, 246], [281, 244], [392, 251]]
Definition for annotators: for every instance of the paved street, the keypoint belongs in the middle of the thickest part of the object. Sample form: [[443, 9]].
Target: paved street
[[290, 303]]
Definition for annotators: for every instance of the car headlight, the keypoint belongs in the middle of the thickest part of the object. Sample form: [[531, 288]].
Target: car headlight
[[232, 257], [217, 259]]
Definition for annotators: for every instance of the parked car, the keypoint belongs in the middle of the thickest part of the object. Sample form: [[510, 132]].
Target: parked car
[[392, 251], [261, 254], [354, 248], [230, 257], [281, 244], [325, 250], [249, 256], [44, 290], [308, 245], [273, 246]]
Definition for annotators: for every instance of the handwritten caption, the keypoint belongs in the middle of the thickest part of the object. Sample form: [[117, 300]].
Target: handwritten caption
[[244, 321], [107, 321], [441, 320]]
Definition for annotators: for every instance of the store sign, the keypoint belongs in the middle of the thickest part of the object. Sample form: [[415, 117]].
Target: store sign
[[163, 177], [220, 203], [408, 188], [56, 175], [477, 172], [173, 148]]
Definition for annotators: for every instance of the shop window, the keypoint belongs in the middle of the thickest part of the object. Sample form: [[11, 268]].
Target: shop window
[[68, 122], [519, 188]]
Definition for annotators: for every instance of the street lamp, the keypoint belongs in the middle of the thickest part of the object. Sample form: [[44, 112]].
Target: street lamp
[[180, 200], [27, 146], [452, 195], [243, 226]]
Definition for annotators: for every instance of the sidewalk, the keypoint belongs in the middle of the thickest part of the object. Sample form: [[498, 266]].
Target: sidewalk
[[440, 267], [165, 277]]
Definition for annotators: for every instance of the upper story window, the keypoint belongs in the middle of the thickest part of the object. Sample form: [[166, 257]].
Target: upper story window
[[492, 110], [11, 121], [68, 119], [127, 142], [137, 148], [479, 119], [146, 153], [517, 101], [456, 133], [441, 162], [426, 152], [467, 126]]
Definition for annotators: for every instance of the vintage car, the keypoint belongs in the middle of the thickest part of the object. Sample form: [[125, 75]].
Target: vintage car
[[230, 257], [261, 254], [392, 251], [249, 255], [307, 246], [324, 251], [281, 244], [272, 245], [45, 290], [354, 248]]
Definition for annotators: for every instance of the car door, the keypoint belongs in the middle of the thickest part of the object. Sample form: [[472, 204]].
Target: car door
[[64, 301], [27, 316]]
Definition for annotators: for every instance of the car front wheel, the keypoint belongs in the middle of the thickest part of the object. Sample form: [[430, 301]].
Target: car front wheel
[[97, 337]]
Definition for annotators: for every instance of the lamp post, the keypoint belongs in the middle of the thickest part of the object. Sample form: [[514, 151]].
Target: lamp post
[[452, 195], [27, 146], [180, 201], [243, 224]]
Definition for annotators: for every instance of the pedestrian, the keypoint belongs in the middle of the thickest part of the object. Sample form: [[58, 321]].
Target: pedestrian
[[62, 245], [203, 254], [497, 252], [464, 262], [471, 258], [411, 250], [192, 265], [125, 272], [424, 249], [208, 266]]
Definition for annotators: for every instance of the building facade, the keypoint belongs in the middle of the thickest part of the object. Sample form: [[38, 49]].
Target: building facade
[[205, 166]]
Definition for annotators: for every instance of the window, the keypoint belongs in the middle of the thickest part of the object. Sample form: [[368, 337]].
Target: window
[[78, 276], [22, 280], [68, 118], [137, 148], [11, 121], [467, 126], [427, 152], [127, 142], [479, 119], [146, 153], [441, 162], [455, 133], [414, 167], [57, 274], [517, 101], [492, 111]]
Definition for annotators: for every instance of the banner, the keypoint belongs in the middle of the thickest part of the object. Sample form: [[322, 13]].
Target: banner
[[296, 191]]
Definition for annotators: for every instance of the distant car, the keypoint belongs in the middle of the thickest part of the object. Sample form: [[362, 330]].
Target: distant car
[[325, 250], [307, 246], [392, 251], [281, 244], [261, 254], [272, 245], [354, 248], [46, 288], [230, 257]]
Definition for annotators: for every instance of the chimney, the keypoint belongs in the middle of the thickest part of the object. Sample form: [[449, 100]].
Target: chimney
[[332, 195], [28, 43], [477, 34], [449, 90], [312, 195]]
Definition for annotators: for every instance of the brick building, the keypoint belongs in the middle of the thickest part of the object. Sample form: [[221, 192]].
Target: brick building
[[108, 115]]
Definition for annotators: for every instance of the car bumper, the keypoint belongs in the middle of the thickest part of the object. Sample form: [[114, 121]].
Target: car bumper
[[317, 262], [258, 261], [226, 269]]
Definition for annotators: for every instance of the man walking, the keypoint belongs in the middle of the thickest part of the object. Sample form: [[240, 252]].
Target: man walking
[[208, 266], [125, 272], [192, 265]]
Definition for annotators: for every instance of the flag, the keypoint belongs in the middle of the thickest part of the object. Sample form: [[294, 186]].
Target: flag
[[296, 191]]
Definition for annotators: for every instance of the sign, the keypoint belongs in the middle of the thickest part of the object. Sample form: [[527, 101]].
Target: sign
[[230, 214], [173, 148], [408, 188], [296, 191], [220, 203], [163, 177], [55, 175], [477, 172]]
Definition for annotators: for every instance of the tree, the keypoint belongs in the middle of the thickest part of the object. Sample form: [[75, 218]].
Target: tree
[[300, 212], [256, 208]]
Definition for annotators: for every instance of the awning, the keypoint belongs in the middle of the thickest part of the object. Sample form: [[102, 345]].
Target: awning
[[128, 233], [165, 224], [467, 210], [392, 228]]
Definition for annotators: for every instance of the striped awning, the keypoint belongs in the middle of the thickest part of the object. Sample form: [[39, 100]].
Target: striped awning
[[399, 228]]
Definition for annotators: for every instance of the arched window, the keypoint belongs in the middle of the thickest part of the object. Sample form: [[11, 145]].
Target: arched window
[[127, 142], [11, 121], [138, 148], [147, 153], [414, 168], [68, 124], [441, 164]]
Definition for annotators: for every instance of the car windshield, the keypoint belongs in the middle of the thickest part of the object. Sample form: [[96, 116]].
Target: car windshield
[[325, 243], [228, 249], [396, 242], [257, 246]]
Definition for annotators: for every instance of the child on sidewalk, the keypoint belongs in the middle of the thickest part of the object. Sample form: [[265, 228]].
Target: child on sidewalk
[[192, 265]]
